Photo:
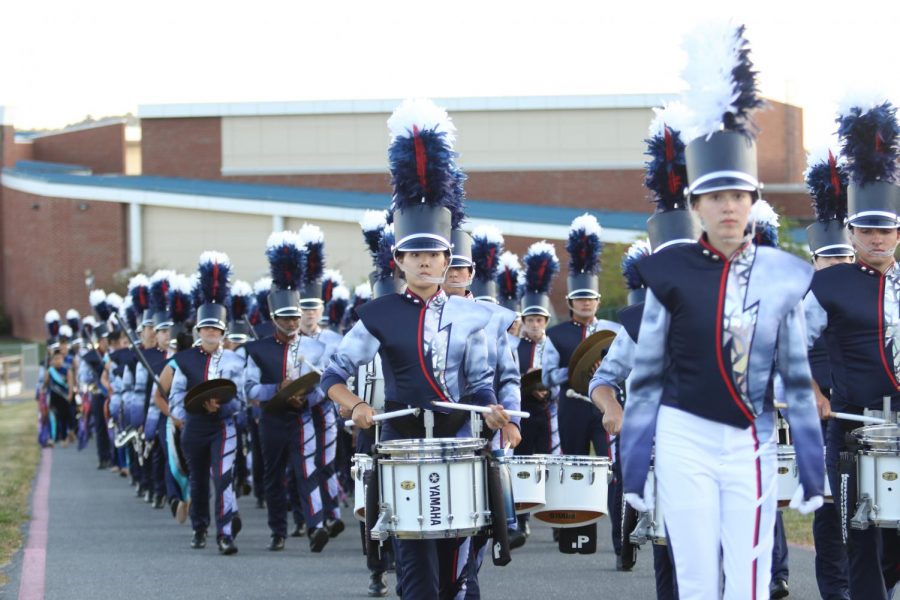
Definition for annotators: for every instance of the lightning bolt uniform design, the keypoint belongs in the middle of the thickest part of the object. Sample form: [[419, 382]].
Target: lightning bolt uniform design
[[892, 316], [739, 323]]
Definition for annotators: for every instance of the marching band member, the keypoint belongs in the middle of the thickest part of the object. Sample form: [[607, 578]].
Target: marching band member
[[855, 309], [260, 318], [826, 180], [208, 439], [261, 321], [432, 347], [287, 432], [705, 353], [90, 371]]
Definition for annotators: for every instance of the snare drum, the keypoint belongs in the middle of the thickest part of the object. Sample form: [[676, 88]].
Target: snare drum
[[788, 476], [576, 490], [432, 488], [878, 468], [528, 482], [360, 464]]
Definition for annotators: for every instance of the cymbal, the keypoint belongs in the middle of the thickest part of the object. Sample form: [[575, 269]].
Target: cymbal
[[301, 385], [588, 353], [220, 390]]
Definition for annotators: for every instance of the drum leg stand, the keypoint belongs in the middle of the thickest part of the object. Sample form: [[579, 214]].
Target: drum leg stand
[[860, 520], [378, 532]]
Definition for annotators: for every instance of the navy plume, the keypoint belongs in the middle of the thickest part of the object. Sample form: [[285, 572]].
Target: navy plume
[[241, 299], [73, 318], [509, 276], [337, 306], [131, 317], [541, 266], [212, 286], [826, 181], [51, 318], [584, 245], [384, 259], [139, 290], [179, 298], [101, 307], [261, 289], [870, 142], [373, 224], [487, 246], [422, 160], [160, 284], [635, 252], [314, 249], [666, 170], [287, 261]]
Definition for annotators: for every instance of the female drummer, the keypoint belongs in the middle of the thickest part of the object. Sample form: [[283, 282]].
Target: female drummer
[[717, 316], [432, 347]]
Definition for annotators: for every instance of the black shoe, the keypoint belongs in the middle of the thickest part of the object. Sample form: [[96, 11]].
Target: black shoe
[[277, 543], [525, 527], [779, 589], [159, 501], [199, 540], [236, 525], [173, 505], [104, 464], [299, 531], [621, 565], [555, 534], [140, 491], [226, 546], [260, 503], [377, 585], [334, 527], [516, 538], [245, 489], [318, 538], [148, 497]]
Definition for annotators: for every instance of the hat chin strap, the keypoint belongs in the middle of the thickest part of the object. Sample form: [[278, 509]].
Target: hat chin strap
[[868, 250], [290, 333], [426, 278]]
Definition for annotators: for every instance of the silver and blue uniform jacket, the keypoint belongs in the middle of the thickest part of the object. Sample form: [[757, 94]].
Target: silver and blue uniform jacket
[[90, 368], [139, 383], [434, 350], [714, 330], [856, 310], [562, 340], [194, 366], [507, 381], [270, 361]]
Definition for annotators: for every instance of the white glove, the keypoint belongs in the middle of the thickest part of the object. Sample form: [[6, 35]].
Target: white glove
[[645, 504], [804, 507]]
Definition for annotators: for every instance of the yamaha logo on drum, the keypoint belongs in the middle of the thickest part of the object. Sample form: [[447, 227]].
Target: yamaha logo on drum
[[435, 496], [577, 476], [783, 470], [408, 485], [523, 474], [889, 476]]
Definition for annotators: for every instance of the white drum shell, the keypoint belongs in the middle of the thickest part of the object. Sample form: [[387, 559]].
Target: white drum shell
[[529, 482], [434, 498], [788, 477], [877, 476], [576, 490]]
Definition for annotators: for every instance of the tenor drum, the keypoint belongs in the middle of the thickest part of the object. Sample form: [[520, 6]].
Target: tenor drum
[[878, 468], [576, 490], [788, 476], [432, 488], [529, 482], [360, 464]]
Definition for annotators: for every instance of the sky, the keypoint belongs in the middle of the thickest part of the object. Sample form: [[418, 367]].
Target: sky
[[65, 60]]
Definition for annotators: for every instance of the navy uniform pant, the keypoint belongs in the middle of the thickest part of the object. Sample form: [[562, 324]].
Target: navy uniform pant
[[210, 445], [831, 556], [664, 570], [580, 426], [869, 550], [289, 442], [432, 568], [258, 465], [101, 432], [780, 550], [536, 430]]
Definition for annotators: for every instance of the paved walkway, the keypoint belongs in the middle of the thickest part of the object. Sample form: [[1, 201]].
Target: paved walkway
[[101, 542]]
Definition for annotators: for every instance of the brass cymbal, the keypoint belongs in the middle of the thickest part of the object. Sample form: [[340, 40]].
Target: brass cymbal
[[302, 385], [588, 353], [220, 390]]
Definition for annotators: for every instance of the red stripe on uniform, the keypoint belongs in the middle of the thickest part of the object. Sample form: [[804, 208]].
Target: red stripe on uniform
[[758, 506], [884, 362], [420, 340]]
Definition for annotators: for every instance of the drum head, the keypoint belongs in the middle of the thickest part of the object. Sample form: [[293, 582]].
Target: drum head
[[431, 447], [588, 353], [878, 437], [220, 390]]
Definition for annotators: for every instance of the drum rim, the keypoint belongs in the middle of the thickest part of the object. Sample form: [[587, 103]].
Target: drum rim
[[430, 446], [575, 460], [430, 460]]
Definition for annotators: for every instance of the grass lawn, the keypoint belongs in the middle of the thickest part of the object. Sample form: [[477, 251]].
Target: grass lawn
[[19, 455], [798, 528]]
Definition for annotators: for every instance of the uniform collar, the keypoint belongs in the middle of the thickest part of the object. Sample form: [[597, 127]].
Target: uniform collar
[[411, 296], [870, 270], [707, 250]]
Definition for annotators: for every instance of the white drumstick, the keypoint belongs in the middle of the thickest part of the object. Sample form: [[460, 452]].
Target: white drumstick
[[570, 393], [311, 366], [480, 409], [858, 418], [388, 415]]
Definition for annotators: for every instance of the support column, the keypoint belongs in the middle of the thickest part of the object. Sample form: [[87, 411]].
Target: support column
[[135, 235]]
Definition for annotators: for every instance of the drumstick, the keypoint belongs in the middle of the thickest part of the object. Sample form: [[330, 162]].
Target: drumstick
[[858, 418], [388, 415], [570, 393], [480, 409], [311, 366]]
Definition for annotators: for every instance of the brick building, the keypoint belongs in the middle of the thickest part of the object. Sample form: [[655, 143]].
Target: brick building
[[223, 176]]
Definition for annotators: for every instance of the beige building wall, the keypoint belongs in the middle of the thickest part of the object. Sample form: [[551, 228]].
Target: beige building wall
[[344, 249], [487, 140], [174, 238]]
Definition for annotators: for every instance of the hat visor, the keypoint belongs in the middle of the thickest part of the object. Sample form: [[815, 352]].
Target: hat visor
[[873, 222], [163, 325], [583, 294], [237, 338], [461, 261], [836, 250], [429, 243], [720, 184], [531, 311], [211, 323], [287, 311], [311, 303]]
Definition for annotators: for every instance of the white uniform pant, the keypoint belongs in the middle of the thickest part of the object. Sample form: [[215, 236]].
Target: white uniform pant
[[717, 488]]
